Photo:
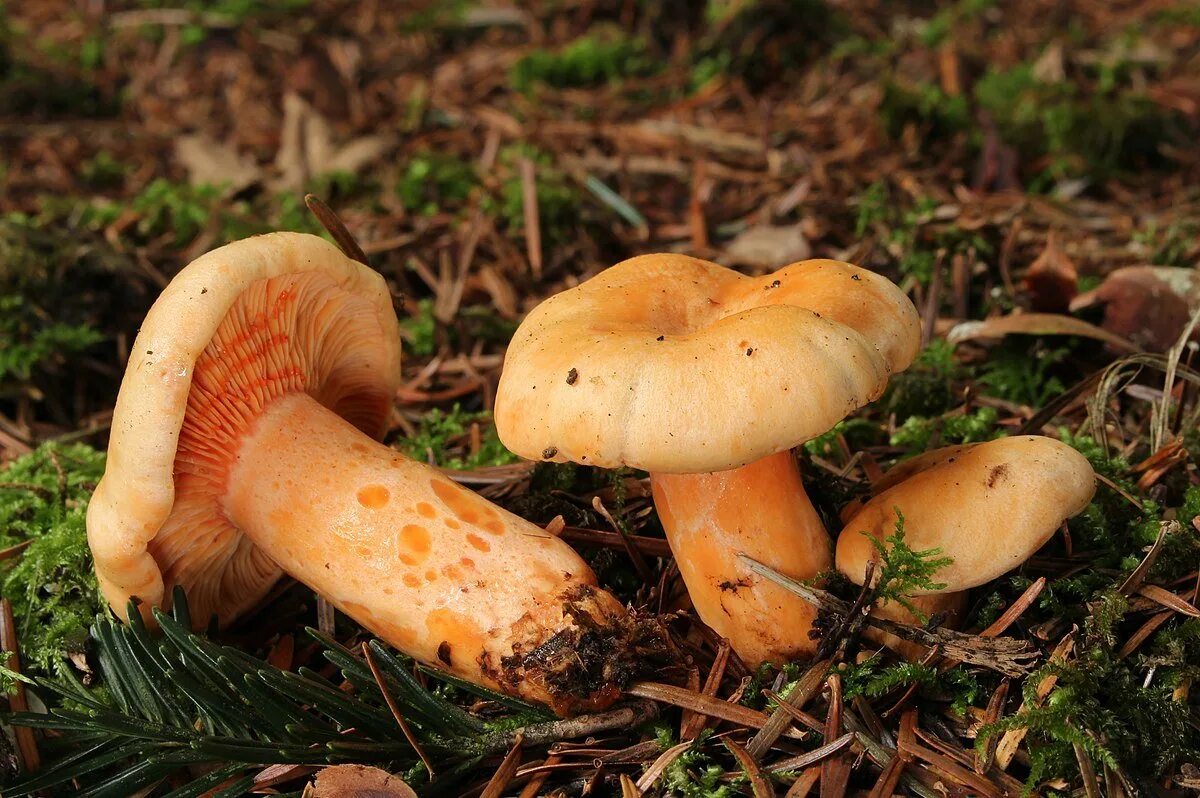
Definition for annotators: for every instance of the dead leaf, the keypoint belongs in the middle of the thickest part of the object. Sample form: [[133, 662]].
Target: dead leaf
[[209, 162], [1035, 324], [1051, 280], [359, 781], [768, 246], [1050, 66], [307, 149], [1149, 305]]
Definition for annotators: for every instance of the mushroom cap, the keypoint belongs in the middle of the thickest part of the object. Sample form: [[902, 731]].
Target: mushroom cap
[[677, 365], [988, 506], [239, 326]]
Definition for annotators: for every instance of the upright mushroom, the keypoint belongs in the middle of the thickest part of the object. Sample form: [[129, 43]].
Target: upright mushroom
[[707, 378], [986, 506], [244, 446]]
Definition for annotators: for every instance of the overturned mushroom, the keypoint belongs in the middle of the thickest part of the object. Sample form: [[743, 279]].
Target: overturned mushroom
[[707, 378], [986, 506], [243, 447]]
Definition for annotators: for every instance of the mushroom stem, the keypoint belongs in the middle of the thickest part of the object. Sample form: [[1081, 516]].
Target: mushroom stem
[[432, 568], [760, 510]]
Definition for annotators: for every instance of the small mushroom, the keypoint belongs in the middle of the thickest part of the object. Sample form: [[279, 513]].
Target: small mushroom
[[707, 378], [987, 506], [244, 446]]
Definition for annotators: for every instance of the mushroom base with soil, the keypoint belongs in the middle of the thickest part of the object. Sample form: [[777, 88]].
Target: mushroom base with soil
[[427, 565], [760, 510]]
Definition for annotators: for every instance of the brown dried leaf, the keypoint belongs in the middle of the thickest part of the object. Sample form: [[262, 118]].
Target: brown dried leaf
[[1051, 280], [1149, 305], [210, 162], [307, 149], [769, 246], [359, 781], [1035, 324]]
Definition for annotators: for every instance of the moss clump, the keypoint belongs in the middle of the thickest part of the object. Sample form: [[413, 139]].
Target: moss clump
[[872, 678], [1024, 373], [432, 182], [43, 500], [1097, 130], [558, 202], [695, 774], [913, 243], [919, 434], [438, 430], [591, 60], [419, 330], [28, 340], [928, 386]]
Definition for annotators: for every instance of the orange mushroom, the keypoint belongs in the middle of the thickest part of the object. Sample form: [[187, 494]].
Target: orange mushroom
[[244, 447], [986, 506], [707, 378]]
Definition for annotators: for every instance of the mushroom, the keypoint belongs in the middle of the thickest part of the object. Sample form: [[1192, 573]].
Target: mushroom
[[986, 506], [707, 378], [244, 446]]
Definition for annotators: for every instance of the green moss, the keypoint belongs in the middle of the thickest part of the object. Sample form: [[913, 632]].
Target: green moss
[[756, 41], [858, 432], [557, 200], [599, 57], [1175, 245], [43, 499], [1023, 372], [872, 678], [434, 181], [938, 114], [913, 244], [437, 430], [419, 330], [1079, 130], [904, 572], [919, 434], [1103, 705], [941, 24], [928, 386], [28, 340], [103, 171], [694, 774]]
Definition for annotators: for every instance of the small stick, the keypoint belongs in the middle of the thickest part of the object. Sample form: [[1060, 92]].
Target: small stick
[[1008, 656], [533, 223], [805, 690], [26, 743]]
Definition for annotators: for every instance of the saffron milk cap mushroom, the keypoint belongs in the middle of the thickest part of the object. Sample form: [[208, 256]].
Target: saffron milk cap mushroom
[[707, 378], [244, 446], [987, 506]]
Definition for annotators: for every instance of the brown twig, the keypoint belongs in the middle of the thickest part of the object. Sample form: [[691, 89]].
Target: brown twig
[[1008, 656]]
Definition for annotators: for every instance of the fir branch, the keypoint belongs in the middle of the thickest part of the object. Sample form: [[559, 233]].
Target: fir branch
[[178, 700]]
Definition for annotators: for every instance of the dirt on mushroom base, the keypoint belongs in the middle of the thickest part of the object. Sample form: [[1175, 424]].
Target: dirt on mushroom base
[[585, 666]]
